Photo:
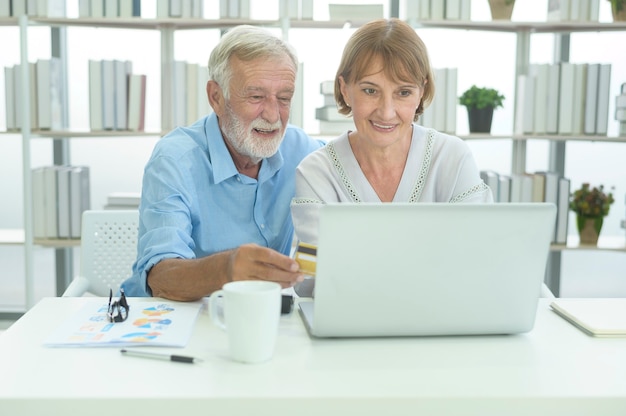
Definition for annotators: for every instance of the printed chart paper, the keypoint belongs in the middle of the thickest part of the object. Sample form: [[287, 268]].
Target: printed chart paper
[[150, 323]]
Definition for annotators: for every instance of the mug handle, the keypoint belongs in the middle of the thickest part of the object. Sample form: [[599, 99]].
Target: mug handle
[[216, 317]]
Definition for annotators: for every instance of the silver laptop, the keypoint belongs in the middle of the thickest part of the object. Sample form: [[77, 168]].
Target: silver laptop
[[428, 269]]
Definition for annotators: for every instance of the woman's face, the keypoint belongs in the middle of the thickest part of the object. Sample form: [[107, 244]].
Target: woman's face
[[383, 109]]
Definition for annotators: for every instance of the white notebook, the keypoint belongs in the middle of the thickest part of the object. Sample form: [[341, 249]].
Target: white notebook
[[597, 317]]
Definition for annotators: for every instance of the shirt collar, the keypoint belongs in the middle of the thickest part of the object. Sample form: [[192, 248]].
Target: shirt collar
[[222, 162]]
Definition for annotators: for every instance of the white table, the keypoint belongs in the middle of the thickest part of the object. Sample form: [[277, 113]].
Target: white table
[[553, 370]]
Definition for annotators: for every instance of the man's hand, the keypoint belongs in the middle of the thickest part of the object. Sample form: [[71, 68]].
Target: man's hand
[[254, 262]]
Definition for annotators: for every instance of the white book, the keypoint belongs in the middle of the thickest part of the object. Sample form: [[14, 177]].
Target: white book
[[504, 188], [176, 8], [329, 113], [163, 8], [124, 198], [583, 10], [439, 102], [425, 10], [108, 94], [95, 95], [595, 317], [558, 10], [451, 100], [524, 104], [335, 128], [288, 9], [84, 8], [578, 102], [5, 8], [604, 95], [125, 8], [327, 87], [540, 72], [19, 95], [136, 102], [594, 10], [123, 69], [552, 118], [574, 10], [492, 180], [18, 8], [203, 105], [437, 10], [521, 187], [80, 197], [51, 207], [192, 92], [591, 98], [49, 94], [186, 9], [296, 114], [466, 10], [97, 8], [306, 9], [9, 98], [111, 9], [51, 8], [39, 192], [551, 186], [233, 9], [197, 9], [566, 98], [179, 83], [31, 7], [562, 217], [452, 9], [620, 101], [63, 201], [343, 12], [538, 187], [427, 119]]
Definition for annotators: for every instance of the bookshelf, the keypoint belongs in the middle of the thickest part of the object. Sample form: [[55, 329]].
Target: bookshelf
[[167, 27]]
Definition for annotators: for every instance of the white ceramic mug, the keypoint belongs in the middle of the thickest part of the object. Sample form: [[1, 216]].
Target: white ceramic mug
[[251, 312]]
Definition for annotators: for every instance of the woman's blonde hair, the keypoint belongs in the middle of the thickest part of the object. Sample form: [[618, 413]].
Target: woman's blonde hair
[[404, 57]]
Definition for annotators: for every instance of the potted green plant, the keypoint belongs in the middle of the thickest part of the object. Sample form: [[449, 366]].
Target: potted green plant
[[480, 103], [501, 9], [591, 205], [618, 7]]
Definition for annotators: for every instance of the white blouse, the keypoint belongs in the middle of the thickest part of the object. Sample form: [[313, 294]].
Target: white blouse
[[439, 168]]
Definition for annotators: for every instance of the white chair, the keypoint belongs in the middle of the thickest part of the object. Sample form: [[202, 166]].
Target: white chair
[[108, 249]]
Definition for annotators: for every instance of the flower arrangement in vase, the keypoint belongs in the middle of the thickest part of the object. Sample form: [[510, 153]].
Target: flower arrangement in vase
[[591, 205]]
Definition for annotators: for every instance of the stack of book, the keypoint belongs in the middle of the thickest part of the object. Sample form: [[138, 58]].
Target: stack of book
[[441, 113], [45, 84], [189, 92], [123, 200], [39, 8], [542, 186], [331, 121], [60, 195], [233, 9], [343, 12], [109, 8], [296, 9], [620, 110], [563, 98], [438, 9], [117, 97]]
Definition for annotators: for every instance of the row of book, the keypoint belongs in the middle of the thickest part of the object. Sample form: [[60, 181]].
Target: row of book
[[534, 187], [109, 8], [331, 121], [563, 98], [620, 110], [34, 8], [117, 97], [189, 92], [60, 195], [441, 113], [438, 9], [573, 10], [45, 82]]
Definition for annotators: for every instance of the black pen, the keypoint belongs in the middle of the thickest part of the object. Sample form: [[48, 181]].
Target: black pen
[[159, 356]]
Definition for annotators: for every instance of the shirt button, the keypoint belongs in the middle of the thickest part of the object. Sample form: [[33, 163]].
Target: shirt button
[[262, 226]]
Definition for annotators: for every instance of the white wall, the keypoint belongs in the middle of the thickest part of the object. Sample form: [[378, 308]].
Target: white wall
[[484, 58]]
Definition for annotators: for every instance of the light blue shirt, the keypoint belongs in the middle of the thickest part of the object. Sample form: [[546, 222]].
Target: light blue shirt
[[195, 203]]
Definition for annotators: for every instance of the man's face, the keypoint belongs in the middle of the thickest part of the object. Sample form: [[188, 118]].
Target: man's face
[[254, 118]]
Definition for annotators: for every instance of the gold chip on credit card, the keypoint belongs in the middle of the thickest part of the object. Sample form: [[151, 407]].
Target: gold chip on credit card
[[306, 256]]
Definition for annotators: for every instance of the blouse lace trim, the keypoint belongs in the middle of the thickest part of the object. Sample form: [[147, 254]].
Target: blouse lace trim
[[332, 153]]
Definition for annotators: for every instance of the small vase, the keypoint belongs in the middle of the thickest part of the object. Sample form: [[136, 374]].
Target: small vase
[[480, 119], [501, 9], [589, 229], [619, 16]]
